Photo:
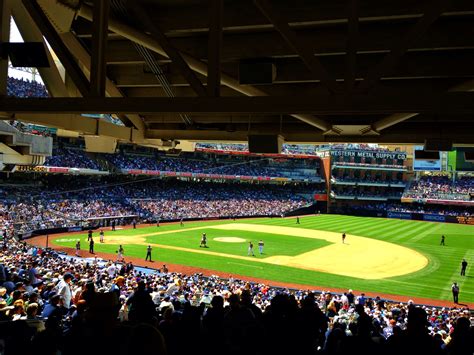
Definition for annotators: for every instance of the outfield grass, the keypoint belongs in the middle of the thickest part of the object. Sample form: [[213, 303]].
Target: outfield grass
[[434, 281]]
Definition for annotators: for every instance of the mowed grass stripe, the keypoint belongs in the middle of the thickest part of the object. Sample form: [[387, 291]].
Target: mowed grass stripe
[[413, 229], [382, 231], [456, 276], [347, 226], [322, 225], [422, 235], [398, 233], [381, 225], [362, 225]]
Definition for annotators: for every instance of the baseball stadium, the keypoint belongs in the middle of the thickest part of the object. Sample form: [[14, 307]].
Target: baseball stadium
[[236, 176]]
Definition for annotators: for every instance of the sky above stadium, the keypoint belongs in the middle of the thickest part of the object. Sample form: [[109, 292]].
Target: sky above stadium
[[15, 36]]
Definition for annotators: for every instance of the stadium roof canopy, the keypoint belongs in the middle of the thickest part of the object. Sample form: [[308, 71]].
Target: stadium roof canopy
[[394, 71]]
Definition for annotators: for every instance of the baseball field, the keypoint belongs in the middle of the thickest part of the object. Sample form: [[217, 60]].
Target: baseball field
[[389, 256]]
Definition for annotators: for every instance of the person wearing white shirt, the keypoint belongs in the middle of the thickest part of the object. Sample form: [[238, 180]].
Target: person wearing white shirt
[[112, 270], [64, 289]]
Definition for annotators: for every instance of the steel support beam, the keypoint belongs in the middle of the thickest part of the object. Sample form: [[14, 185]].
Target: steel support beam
[[100, 29], [5, 12], [170, 51], [66, 58], [141, 38], [85, 60], [30, 33], [457, 103], [460, 134], [403, 44], [214, 48], [302, 49]]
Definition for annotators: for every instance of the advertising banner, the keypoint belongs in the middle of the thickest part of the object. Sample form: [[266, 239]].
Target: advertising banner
[[425, 165], [368, 154], [400, 215], [434, 218]]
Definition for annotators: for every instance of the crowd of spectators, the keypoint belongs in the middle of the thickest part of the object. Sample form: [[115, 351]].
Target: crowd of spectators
[[369, 179], [290, 149], [71, 158], [217, 200], [25, 88], [296, 149], [123, 161], [52, 304], [359, 146], [199, 163], [371, 165], [441, 187], [55, 203]]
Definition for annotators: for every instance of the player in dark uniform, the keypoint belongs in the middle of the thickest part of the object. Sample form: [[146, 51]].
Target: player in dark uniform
[[89, 235], [343, 237], [203, 241], [442, 240]]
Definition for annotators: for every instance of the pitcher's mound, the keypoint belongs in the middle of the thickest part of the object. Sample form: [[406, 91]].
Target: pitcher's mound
[[230, 239]]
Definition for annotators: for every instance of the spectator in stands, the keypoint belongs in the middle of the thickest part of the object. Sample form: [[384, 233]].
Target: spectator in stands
[[290, 319]]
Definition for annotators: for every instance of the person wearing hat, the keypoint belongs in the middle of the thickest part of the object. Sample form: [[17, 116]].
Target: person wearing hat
[[52, 308], [3, 311], [148, 253], [118, 283], [203, 241], [64, 289], [91, 246], [78, 248], [455, 290]]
